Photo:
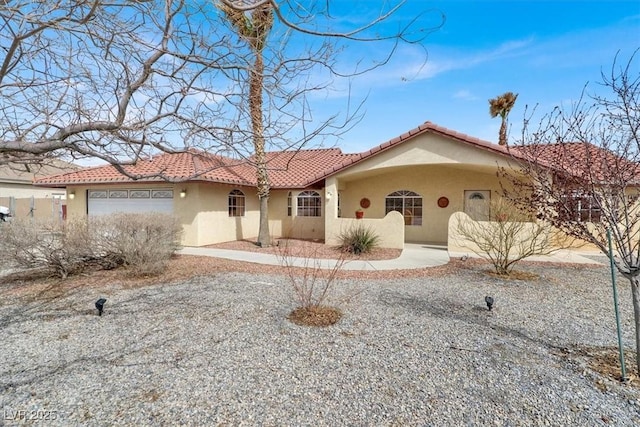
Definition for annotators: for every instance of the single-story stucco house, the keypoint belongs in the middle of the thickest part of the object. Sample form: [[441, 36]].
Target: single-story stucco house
[[407, 189]]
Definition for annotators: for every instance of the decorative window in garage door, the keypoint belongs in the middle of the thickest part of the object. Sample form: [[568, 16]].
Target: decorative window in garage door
[[162, 194], [97, 194], [139, 194], [118, 194]]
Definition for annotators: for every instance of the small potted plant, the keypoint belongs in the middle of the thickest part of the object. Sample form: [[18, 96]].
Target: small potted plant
[[359, 214]]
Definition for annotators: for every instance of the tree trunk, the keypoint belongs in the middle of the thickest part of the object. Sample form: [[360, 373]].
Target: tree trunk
[[264, 238], [502, 137], [635, 295], [262, 175]]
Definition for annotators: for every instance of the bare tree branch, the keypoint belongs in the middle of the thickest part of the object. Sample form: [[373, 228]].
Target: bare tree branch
[[580, 171]]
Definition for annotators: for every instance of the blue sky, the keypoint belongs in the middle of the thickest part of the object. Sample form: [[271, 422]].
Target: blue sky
[[546, 51]]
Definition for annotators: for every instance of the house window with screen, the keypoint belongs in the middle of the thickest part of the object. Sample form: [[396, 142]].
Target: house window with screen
[[236, 203], [408, 203], [309, 204]]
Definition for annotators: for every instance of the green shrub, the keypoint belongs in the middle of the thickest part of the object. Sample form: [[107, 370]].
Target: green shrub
[[358, 240]]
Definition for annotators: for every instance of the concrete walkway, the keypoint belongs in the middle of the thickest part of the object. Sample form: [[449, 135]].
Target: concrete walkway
[[414, 255]]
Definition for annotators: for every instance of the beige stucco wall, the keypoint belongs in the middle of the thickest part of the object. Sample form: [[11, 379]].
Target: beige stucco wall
[[429, 181], [429, 165], [204, 216], [427, 149], [23, 191], [209, 221]]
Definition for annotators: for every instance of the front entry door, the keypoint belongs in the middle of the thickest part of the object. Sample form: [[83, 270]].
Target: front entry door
[[476, 204]]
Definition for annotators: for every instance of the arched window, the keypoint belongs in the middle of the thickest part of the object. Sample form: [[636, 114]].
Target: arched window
[[236, 203], [309, 204], [408, 203]]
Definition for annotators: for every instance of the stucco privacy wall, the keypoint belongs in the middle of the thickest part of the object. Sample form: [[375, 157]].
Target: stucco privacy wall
[[389, 230], [457, 243], [430, 165]]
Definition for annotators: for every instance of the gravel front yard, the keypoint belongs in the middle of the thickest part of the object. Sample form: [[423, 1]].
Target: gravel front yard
[[411, 349]]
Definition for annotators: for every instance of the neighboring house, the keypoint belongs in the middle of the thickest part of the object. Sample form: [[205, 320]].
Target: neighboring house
[[18, 193], [407, 187]]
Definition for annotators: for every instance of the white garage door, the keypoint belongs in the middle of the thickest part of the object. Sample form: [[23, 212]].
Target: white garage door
[[102, 202]]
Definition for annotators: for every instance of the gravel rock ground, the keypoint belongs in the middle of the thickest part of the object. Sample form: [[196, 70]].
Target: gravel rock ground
[[218, 350]]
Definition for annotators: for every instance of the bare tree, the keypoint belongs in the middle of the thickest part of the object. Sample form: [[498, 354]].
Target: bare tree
[[118, 80], [112, 80], [580, 170], [501, 106], [508, 237]]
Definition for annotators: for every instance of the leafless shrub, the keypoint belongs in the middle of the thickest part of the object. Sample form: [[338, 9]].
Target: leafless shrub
[[508, 237], [62, 248], [312, 280], [142, 242]]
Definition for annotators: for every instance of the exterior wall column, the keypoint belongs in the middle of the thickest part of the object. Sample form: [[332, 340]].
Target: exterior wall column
[[330, 205]]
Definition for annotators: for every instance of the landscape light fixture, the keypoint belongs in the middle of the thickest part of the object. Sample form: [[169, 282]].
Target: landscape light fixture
[[100, 305], [489, 300]]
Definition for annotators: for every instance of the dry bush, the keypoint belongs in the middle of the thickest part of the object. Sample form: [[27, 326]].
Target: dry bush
[[61, 248], [507, 238], [142, 242], [312, 280]]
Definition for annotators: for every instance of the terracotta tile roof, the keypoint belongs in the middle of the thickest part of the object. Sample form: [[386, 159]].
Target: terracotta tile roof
[[582, 160], [299, 169], [171, 167], [287, 169]]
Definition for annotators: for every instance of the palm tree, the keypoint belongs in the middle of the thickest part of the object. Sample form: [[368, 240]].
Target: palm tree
[[501, 106], [254, 27]]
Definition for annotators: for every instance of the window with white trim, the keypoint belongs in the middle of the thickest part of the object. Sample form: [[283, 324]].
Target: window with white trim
[[289, 204], [236, 203], [309, 203], [408, 203], [583, 207]]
